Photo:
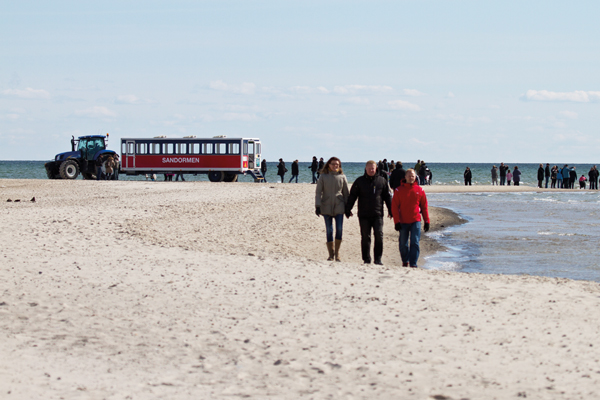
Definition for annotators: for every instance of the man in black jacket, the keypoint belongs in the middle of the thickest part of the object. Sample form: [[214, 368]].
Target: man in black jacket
[[397, 176], [372, 191], [547, 174], [540, 175], [503, 168], [314, 167]]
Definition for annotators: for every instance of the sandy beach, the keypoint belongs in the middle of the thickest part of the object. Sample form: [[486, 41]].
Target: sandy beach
[[197, 290]]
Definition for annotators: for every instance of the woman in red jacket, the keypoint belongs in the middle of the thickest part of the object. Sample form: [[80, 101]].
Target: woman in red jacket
[[408, 203]]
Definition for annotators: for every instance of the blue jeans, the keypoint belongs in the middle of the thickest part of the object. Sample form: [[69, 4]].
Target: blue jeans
[[339, 226], [314, 177], [410, 254], [502, 180], [547, 181], [292, 178]]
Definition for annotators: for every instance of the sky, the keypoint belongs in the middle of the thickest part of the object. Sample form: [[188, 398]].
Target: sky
[[442, 81]]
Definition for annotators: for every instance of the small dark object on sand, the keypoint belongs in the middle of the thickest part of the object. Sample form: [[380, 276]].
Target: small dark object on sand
[[17, 201], [32, 200], [9, 201]]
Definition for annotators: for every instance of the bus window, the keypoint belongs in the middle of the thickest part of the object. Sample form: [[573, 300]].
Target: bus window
[[170, 147], [245, 148], [258, 148], [142, 148], [251, 147], [123, 148], [220, 148], [154, 148], [194, 148], [130, 148], [207, 148], [234, 148], [180, 148]]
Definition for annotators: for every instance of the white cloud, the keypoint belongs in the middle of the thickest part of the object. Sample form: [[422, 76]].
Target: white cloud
[[403, 105], [130, 99], [569, 114], [577, 96], [450, 95], [309, 90], [461, 120], [244, 88], [361, 101], [412, 92], [354, 89], [27, 93], [96, 112]]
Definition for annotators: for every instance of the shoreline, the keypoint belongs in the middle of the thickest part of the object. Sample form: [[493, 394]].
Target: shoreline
[[146, 290]]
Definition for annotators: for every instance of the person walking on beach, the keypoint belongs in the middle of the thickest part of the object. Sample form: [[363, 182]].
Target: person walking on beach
[[540, 176], [423, 172], [553, 176], [516, 176], [295, 171], [281, 169], [330, 202], [468, 176], [314, 168], [508, 176], [494, 176], [593, 175], [572, 178], [503, 170], [547, 174], [263, 169], [397, 176], [179, 175], [565, 174], [408, 203], [321, 164], [371, 190]]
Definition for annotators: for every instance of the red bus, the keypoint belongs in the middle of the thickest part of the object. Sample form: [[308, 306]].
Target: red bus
[[222, 158]]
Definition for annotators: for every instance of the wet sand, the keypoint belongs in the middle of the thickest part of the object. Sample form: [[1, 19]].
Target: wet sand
[[200, 290]]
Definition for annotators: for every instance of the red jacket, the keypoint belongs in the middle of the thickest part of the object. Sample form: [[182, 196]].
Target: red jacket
[[408, 203]]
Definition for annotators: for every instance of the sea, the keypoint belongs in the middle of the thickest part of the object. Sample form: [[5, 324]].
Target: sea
[[546, 234]]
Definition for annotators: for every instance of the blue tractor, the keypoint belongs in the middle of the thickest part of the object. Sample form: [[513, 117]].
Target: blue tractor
[[82, 158]]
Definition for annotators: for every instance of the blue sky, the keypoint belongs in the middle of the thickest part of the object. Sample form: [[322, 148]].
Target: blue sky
[[444, 81]]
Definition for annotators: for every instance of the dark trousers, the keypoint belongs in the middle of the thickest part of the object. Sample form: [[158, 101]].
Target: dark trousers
[[366, 225], [467, 182], [502, 180]]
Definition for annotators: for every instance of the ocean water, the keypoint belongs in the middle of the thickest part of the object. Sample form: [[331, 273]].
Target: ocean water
[[545, 234], [443, 173]]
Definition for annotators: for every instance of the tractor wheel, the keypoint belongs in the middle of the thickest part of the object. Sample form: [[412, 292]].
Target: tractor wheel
[[229, 177], [216, 176], [50, 170], [69, 169]]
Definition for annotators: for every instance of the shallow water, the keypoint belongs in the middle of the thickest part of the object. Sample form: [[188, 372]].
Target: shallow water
[[546, 234], [443, 173]]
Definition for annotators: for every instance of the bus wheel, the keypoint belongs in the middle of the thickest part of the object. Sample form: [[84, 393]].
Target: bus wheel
[[216, 176], [69, 169], [229, 177]]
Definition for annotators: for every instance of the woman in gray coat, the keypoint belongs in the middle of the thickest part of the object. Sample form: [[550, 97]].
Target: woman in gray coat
[[330, 201]]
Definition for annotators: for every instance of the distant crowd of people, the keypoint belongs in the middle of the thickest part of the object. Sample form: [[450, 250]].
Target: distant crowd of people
[[555, 176], [107, 168]]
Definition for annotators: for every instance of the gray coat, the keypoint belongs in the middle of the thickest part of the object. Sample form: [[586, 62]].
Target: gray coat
[[332, 193]]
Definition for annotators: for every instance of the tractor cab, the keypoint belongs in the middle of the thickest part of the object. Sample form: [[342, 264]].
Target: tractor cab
[[89, 146]]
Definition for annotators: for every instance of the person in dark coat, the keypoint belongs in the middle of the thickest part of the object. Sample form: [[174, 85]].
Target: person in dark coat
[[314, 168], [572, 178], [263, 169], [503, 168], [321, 165], [547, 174], [295, 171], [371, 190], [423, 172], [468, 176], [540, 175], [397, 176], [281, 169], [593, 176]]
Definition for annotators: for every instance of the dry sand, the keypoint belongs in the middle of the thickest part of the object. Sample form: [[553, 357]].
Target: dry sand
[[144, 290]]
